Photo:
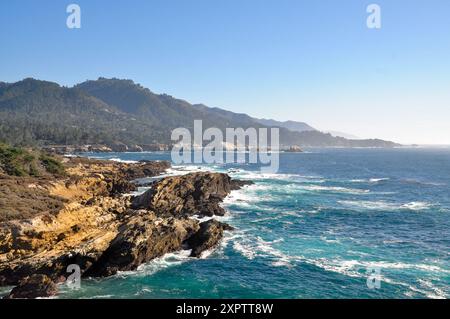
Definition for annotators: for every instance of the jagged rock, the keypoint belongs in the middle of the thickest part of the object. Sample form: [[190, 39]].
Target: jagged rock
[[207, 237], [100, 231], [142, 238], [78, 234], [187, 195], [145, 169], [121, 186], [36, 286]]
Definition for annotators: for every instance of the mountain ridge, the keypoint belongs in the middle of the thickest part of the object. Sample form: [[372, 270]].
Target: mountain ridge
[[106, 111], [290, 125]]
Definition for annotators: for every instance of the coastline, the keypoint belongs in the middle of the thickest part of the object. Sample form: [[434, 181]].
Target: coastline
[[289, 225], [105, 231]]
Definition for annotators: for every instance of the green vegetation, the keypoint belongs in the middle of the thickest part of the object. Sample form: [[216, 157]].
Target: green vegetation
[[52, 165], [20, 162], [14, 160], [109, 111]]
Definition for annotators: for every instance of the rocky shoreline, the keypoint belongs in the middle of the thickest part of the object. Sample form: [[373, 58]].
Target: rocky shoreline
[[102, 230]]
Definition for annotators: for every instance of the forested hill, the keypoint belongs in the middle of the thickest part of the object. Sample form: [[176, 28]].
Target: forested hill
[[106, 111]]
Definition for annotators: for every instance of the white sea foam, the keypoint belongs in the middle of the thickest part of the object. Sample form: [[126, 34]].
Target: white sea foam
[[333, 189], [245, 195], [201, 219], [182, 170], [432, 291], [168, 260], [370, 180], [143, 291], [275, 176], [257, 247], [400, 265], [224, 218], [239, 197], [122, 161], [139, 191], [245, 249], [383, 205], [327, 240], [356, 268], [376, 180], [416, 205], [229, 236], [252, 248]]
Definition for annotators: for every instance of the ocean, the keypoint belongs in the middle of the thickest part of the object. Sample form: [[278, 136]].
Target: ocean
[[332, 223]]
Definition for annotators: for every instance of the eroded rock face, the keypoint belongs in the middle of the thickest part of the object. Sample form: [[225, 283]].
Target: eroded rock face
[[187, 195], [104, 232], [142, 238], [36, 286], [78, 234]]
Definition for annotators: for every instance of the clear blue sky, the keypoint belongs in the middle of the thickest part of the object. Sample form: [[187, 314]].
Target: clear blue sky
[[313, 61]]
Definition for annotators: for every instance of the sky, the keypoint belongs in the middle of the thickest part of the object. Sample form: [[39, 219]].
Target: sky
[[305, 60]]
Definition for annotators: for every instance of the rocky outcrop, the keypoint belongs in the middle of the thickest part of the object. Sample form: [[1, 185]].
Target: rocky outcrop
[[102, 231], [119, 186], [142, 238], [144, 169], [46, 244], [36, 286], [192, 194], [207, 237]]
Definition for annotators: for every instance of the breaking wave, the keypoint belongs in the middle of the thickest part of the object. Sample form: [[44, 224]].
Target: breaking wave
[[385, 206]]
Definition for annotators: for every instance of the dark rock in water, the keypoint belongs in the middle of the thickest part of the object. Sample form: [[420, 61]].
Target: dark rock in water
[[145, 169], [36, 286], [187, 195], [207, 237], [142, 238]]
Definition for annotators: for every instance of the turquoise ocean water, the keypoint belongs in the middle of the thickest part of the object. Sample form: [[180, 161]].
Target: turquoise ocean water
[[313, 230]]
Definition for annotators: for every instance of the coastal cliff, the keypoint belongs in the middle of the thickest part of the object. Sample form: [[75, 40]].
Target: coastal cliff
[[94, 223]]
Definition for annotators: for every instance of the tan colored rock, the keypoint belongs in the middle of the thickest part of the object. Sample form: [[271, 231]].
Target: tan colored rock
[[99, 229]]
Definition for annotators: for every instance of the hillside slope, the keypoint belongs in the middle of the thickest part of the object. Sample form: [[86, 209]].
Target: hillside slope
[[111, 111], [290, 125]]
